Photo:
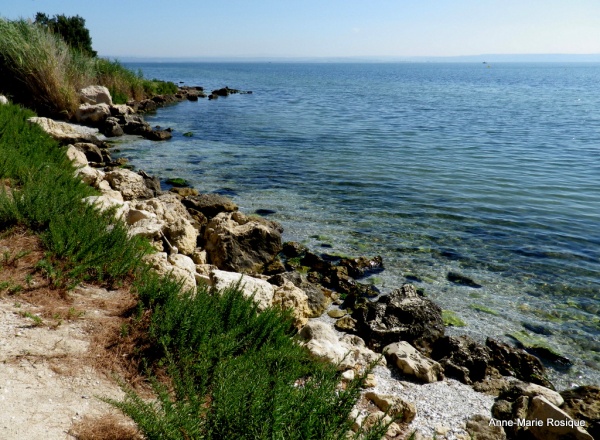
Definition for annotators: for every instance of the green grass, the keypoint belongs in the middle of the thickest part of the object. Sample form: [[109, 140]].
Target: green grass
[[226, 370]]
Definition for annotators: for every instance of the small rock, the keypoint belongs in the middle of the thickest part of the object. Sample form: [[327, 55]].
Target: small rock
[[336, 313], [370, 381], [393, 405], [347, 323]]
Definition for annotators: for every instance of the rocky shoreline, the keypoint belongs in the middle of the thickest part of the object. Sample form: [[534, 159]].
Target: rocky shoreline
[[489, 390]]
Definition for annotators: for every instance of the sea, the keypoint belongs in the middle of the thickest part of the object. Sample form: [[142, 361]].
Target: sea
[[486, 170]]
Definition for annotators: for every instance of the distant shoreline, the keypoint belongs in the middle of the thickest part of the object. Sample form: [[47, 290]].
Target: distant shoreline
[[489, 58]]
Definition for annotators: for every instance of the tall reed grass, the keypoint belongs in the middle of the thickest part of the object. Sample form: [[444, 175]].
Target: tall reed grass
[[42, 70], [39, 70]]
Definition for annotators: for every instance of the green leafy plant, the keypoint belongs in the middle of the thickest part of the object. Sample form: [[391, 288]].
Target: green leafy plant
[[37, 321]]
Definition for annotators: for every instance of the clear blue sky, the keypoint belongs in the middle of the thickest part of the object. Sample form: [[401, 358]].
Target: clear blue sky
[[328, 28]]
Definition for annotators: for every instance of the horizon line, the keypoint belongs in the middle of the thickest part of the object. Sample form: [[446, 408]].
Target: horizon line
[[540, 57]]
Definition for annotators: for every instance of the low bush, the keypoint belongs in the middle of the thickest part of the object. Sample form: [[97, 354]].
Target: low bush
[[234, 373]]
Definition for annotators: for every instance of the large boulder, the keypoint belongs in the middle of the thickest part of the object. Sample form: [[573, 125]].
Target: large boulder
[[235, 242], [533, 412], [511, 361], [583, 403], [393, 405], [182, 234], [259, 290], [65, 132], [210, 204], [92, 152], [552, 423], [323, 344], [130, 184], [103, 203], [91, 176], [111, 127], [160, 264], [76, 157], [481, 427], [413, 363], [157, 135], [95, 95], [401, 315], [317, 301], [134, 124], [288, 296], [167, 207], [519, 388], [462, 358], [92, 115]]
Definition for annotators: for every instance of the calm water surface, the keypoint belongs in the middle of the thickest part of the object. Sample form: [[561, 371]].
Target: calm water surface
[[491, 171]]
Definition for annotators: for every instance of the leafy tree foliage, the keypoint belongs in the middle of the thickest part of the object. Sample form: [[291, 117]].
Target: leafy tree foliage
[[71, 29]]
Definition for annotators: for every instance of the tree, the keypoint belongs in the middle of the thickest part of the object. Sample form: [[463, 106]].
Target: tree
[[71, 29]]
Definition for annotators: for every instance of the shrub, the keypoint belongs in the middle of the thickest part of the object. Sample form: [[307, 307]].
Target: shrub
[[49, 200], [234, 373], [71, 29]]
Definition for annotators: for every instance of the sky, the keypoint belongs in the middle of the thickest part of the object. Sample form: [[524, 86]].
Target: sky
[[328, 28]]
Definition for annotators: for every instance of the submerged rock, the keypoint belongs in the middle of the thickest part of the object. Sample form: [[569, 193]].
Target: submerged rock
[[462, 280], [362, 266]]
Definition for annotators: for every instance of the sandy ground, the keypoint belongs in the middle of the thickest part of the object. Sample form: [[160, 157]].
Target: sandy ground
[[49, 381]]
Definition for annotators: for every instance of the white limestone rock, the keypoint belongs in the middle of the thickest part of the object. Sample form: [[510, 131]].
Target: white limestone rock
[[260, 290], [323, 343], [413, 363], [66, 132], [92, 114], [135, 215], [160, 264], [150, 228], [289, 296], [128, 183], [103, 203], [76, 157], [95, 95], [556, 425], [183, 262], [183, 235]]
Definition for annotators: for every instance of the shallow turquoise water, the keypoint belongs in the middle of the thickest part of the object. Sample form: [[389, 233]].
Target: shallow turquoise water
[[492, 172]]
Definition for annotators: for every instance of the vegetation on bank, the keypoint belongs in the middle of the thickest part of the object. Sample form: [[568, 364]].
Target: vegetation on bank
[[225, 370], [44, 72]]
